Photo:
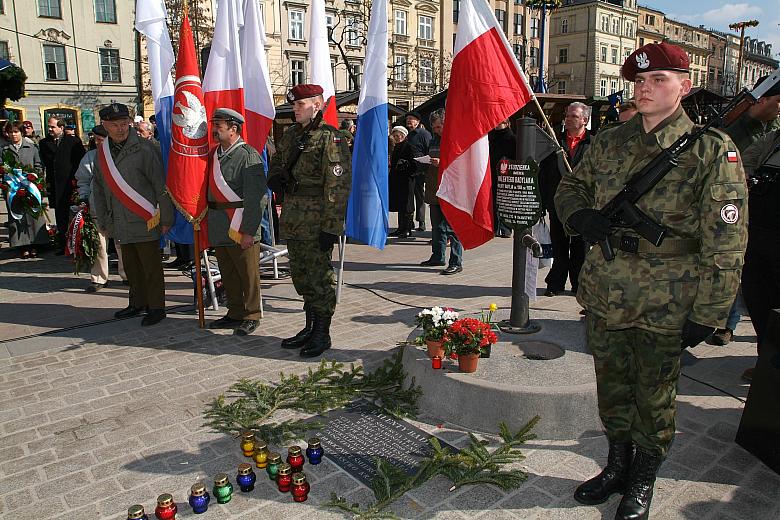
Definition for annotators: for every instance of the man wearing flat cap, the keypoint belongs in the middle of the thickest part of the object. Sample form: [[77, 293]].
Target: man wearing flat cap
[[236, 198], [132, 206], [649, 303], [315, 184]]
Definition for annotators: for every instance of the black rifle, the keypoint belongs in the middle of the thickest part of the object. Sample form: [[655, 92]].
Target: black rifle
[[289, 181], [622, 210]]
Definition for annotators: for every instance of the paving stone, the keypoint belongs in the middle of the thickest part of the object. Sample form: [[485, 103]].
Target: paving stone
[[62, 485]]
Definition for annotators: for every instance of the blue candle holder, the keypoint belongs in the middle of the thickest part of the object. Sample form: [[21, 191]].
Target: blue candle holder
[[199, 498], [246, 478], [314, 451]]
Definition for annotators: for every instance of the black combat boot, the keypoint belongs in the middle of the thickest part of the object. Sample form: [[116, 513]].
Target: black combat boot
[[320, 339], [639, 490], [612, 480], [303, 336]]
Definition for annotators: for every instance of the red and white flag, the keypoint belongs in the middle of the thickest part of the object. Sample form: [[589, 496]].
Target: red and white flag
[[258, 97], [319, 60], [223, 82], [186, 180], [487, 86]]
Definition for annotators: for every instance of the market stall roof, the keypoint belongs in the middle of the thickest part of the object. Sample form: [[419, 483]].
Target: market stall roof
[[343, 99]]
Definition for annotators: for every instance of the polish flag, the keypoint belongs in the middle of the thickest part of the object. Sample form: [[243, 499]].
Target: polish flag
[[258, 97], [487, 86], [223, 82], [319, 60]]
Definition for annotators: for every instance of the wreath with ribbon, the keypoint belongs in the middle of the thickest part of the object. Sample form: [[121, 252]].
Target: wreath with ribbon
[[22, 188], [82, 241]]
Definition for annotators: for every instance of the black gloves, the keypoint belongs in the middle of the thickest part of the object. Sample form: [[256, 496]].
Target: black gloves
[[326, 241], [592, 225], [276, 184], [693, 333]]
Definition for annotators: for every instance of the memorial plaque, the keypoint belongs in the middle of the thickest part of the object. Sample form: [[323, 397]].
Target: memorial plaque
[[517, 194], [357, 435]]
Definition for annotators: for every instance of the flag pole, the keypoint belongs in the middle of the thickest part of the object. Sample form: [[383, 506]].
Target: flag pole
[[551, 131], [198, 277]]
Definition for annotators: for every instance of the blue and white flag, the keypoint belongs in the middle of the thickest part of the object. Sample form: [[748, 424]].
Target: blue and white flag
[[367, 211], [150, 20]]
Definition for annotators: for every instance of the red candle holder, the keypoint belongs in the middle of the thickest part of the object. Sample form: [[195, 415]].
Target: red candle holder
[[436, 362]]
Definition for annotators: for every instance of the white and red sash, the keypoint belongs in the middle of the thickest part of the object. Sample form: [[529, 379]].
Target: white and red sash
[[128, 197], [218, 186]]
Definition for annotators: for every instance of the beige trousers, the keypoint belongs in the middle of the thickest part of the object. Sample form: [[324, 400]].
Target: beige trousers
[[99, 271]]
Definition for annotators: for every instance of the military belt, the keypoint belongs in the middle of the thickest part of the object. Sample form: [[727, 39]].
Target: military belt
[[226, 205], [308, 191], [670, 246]]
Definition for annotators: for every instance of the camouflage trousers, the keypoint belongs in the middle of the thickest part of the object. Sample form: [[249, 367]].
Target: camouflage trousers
[[636, 377], [312, 275]]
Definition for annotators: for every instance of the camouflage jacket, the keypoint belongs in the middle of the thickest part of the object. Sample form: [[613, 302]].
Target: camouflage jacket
[[704, 199], [324, 171], [746, 130], [242, 169]]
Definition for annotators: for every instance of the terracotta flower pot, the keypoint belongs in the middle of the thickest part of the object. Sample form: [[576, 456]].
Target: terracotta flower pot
[[435, 348], [468, 362]]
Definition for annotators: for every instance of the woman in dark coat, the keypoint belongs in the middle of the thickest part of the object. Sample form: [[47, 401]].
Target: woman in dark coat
[[28, 232], [401, 184]]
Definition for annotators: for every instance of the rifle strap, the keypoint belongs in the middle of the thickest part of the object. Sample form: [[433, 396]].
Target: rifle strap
[[670, 246]]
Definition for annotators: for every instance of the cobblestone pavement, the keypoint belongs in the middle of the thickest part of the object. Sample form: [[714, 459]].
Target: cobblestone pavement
[[95, 418]]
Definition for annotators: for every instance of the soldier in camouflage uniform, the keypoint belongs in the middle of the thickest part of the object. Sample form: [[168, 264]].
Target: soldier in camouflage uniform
[[650, 302], [312, 213]]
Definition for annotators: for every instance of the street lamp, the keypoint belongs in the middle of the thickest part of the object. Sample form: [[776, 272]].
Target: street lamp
[[740, 26]]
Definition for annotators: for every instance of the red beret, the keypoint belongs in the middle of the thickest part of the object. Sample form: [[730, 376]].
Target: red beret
[[303, 92], [655, 56]]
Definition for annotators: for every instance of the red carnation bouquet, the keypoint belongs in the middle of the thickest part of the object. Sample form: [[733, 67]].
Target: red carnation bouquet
[[468, 336]]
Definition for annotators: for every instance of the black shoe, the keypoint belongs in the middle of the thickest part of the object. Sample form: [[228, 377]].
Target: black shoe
[[303, 335], [611, 480], [397, 233], [453, 269], [129, 312], [320, 338], [126, 282], [639, 491], [421, 228], [246, 328], [225, 322], [432, 263], [176, 263], [94, 287], [153, 317], [550, 292]]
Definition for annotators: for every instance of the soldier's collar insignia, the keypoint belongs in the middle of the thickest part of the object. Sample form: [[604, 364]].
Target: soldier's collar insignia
[[338, 170]]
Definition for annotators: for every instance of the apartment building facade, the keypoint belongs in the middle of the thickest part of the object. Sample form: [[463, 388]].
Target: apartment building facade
[[757, 61], [78, 56], [696, 42]]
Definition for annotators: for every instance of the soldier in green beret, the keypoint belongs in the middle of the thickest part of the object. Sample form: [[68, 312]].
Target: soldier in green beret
[[649, 303], [315, 190], [236, 198]]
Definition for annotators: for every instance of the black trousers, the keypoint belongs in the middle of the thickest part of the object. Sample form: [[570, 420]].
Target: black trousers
[[761, 277], [419, 199], [568, 257]]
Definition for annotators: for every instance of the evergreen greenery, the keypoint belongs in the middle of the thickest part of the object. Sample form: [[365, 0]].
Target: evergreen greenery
[[251, 405], [475, 464], [11, 84]]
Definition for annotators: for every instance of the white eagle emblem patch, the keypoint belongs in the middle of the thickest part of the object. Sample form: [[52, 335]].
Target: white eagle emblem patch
[[338, 170], [729, 213], [642, 61]]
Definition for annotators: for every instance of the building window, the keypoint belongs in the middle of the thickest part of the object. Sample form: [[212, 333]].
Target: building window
[[641, 42], [613, 86], [501, 17], [534, 27], [604, 23], [615, 26], [532, 55], [296, 25], [400, 22], [650, 19], [614, 54], [564, 25], [518, 23], [603, 90], [695, 77], [696, 59], [425, 28], [330, 23], [455, 10], [105, 11], [603, 54], [563, 55], [353, 32], [2, 7], [517, 48], [400, 72], [426, 71], [355, 79], [297, 74], [49, 8], [333, 69], [562, 87], [55, 68], [109, 66], [4, 54]]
